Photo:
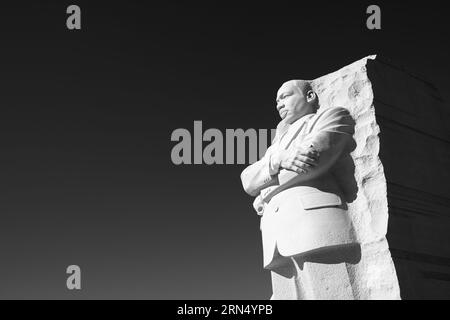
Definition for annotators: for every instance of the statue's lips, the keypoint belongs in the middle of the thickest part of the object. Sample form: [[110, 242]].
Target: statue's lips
[[283, 113]]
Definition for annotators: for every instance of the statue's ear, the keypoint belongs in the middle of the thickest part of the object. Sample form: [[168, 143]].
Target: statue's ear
[[310, 96]]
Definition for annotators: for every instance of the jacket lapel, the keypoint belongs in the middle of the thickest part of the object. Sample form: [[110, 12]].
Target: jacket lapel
[[294, 130]]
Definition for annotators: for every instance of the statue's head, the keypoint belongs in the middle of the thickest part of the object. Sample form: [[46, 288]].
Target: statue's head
[[296, 99]]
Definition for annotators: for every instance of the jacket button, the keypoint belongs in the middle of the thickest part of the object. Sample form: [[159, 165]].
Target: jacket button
[[276, 209]]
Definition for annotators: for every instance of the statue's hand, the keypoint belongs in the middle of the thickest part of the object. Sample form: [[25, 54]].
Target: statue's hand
[[298, 160], [259, 205]]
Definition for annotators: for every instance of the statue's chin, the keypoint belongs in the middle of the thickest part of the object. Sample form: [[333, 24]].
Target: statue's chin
[[291, 120]]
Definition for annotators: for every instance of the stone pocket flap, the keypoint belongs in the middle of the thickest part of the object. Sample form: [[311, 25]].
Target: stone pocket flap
[[315, 200]]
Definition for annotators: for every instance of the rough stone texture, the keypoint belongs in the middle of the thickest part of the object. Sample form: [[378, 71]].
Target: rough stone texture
[[415, 151], [414, 147], [374, 277]]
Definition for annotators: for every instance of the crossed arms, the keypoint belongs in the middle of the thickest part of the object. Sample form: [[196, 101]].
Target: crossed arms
[[331, 133]]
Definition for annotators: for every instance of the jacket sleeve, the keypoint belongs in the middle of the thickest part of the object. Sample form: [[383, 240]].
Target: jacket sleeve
[[257, 176], [331, 135]]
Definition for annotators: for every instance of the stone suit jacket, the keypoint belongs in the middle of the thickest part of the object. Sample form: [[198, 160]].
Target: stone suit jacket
[[305, 212]]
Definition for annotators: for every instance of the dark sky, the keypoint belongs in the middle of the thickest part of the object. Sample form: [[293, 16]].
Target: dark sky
[[86, 174]]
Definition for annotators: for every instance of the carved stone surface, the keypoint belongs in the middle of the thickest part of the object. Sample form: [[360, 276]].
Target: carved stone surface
[[324, 229], [415, 139], [375, 275]]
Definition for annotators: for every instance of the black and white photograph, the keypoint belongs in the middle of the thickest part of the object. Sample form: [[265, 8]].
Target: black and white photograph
[[237, 153]]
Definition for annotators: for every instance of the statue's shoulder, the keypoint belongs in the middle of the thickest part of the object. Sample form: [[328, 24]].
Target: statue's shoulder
[[336, 117], [336, 111]]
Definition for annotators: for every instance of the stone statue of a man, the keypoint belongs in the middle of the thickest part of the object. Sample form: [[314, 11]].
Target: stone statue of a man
[[308, 239]]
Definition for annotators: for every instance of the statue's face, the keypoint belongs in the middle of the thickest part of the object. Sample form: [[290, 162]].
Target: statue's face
[[292, 103]]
